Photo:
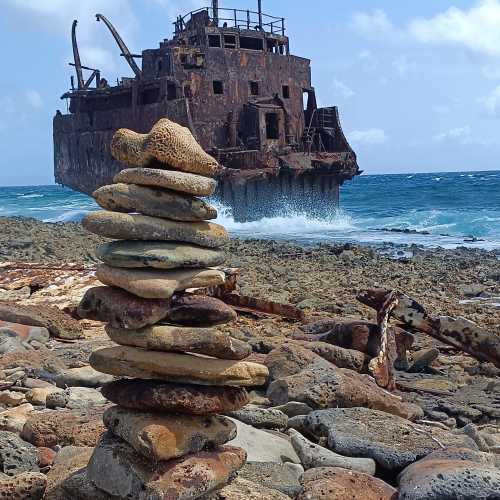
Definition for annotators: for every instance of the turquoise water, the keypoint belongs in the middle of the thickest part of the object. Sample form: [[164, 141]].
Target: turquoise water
[[439, 209]]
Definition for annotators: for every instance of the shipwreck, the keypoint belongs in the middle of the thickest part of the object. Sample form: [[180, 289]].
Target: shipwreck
[[228, 75]]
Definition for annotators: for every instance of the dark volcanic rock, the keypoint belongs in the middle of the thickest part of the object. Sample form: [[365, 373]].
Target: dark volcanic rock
[[121, 309], [199, 310], [16, 455], [151, 395], [261, 418]]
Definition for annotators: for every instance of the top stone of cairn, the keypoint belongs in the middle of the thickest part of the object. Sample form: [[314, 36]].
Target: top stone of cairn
[[168, 145]]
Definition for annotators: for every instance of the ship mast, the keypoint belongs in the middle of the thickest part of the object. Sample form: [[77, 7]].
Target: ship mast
[[76, 57], [215, 12]]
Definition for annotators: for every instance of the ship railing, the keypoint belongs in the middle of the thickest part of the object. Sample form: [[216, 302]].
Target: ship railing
[[236, 18]]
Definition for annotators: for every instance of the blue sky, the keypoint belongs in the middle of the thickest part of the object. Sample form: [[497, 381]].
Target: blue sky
[[417, 83]]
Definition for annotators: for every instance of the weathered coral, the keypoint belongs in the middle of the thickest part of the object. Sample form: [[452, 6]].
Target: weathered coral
[[26, 486], [168, 144]]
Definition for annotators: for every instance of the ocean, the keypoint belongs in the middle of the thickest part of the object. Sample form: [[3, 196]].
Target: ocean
[[435, 209]]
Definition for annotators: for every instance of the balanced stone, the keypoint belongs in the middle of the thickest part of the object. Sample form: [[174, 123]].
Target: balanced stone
[[157, 254], [155, 202], [200, 310], [196, 185], [121, 309], [120, 471], [177, 339], [158, 284], [143, 227], [172, 367], [153, 395], [163, 437]]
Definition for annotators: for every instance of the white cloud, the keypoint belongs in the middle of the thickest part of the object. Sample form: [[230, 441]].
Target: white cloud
[[368, 60], [458, 134], [371, 23], [34, 99], [441, 109], [492, 101], [476, 29], [370, 136], [491, 71], [340, 89], [403, 65]]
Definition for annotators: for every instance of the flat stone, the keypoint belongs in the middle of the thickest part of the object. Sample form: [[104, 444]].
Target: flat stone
[[27, 333], [183, 182], [451, 474], [25, 486], [121, 309], [393, 442], [294, 409], [75, 397], [158, 284], [261, 418], [313, 455], [242, 489], [158, 255], [163, 437], [16, 455], [423, 359], [82, 376], [173, 367], [200, 310], [11, 398], [10, 341], [129, 475], [152, 395], [38, 396], [142, 227], [13, 419], [155, 202], [178, 339], [335, 483]]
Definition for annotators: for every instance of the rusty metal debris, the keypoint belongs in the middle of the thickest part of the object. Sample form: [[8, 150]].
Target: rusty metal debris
[[458, 332]]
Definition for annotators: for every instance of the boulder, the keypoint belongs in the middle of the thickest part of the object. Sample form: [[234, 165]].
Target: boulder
[[393, 442], [11, 398], [199, 310], [173, 367], [25, 486], [13, 419], [82, 376], [10, 341], [183, 182], [155, 202], [75, 397], [16, 455], [178, 339], [121, 309], [158, 255], [276, 476], [158, 284], [27, 333], [261, 418], [242, 489], [142, 227], [153, 395], [128, 474], [38, 396]]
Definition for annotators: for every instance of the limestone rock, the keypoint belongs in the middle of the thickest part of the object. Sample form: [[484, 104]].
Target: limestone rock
[[157, 254], [313, 455], [13, 419], [142, 227], [451, 474], [242, 489], [129, 475], [158, 284], [153, 395], [172, 367], [155, 202], [25, 486], [261, 418], [335, 483], [16, 455], [167, 145], [163, 436], [178, 339], [121, 309], [200, 310], [391, 441]]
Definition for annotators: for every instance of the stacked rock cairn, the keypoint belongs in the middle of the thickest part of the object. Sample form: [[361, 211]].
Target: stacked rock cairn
[[165, 438]]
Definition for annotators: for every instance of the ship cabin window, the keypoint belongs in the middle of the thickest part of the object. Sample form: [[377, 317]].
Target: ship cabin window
[[218, 87], [251, 43], [184, 58], [159, 67], [286, 92], [214, 41], [150, 96], [187, 91], [230, 41], [254, 88], [171, 91], [272, 126]]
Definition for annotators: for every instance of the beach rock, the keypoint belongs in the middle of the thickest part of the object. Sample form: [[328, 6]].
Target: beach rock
[[393, 442], [25, 486], [155, 202], [80, 427], [152, 395], [183, 182], [83, 376], [142, 227], [313, 455], [11, 398], [16, 455], [168, 145], [158, 284], [451, 474], [38, 396], [261, 418], [57, 322], [242, 489], [27, 333], [329, 387], [177, 339], [199, 310], [46, 457], [263, 446], [13, 419], [294, 409], [172, 367], [10, 341], [423, 359], [158, 255], [130, 475], [75, 397], [121, 309], [163, 437], [335, 483]]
